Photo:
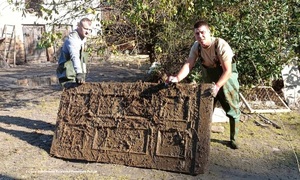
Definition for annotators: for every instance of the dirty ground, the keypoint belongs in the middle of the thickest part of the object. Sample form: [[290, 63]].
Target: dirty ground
[[28, 112]]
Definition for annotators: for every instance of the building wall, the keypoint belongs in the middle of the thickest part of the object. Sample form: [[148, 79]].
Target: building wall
[[9, 16]]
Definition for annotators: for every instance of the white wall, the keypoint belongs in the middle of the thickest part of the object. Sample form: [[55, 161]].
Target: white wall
[[10, 17]]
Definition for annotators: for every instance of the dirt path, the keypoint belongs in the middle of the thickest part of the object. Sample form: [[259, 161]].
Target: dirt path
[[28, 117]]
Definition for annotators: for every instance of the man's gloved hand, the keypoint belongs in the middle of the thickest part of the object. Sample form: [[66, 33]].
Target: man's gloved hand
[[172, 79], [80, 79], [214, 90]]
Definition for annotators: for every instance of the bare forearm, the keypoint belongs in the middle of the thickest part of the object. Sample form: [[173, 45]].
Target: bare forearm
[[184, 71], [223, 79], [227, 71]]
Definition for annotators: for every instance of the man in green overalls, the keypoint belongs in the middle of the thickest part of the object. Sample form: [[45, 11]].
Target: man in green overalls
[[219, 68]]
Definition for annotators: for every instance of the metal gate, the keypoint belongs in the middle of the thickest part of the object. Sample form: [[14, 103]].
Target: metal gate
[[136, 124]]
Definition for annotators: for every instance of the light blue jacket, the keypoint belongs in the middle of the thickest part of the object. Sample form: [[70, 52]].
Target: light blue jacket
[[72, 50]]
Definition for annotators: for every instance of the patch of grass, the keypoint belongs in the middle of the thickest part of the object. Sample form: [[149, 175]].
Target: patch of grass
[[266, 147]]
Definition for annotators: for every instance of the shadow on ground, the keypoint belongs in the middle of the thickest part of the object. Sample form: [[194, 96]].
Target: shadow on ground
[[32, 133]]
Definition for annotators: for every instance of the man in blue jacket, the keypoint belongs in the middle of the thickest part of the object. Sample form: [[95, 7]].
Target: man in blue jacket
[[72, 61]]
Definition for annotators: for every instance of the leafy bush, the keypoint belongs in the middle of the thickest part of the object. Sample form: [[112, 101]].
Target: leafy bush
[[264, 34]]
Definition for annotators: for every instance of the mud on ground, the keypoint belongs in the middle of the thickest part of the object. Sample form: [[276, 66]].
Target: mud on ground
[[28, 116]]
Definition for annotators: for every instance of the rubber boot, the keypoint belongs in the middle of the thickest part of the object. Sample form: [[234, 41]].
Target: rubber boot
[[233, 133]]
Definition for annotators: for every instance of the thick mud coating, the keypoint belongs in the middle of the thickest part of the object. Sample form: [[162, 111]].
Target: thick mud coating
[[136, 124]]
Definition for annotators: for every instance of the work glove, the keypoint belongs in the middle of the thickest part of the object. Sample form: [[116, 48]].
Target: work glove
[[80, 79], [214, 90], [172, 79]]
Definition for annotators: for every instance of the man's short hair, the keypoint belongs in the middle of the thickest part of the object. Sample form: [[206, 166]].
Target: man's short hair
[[85, 20], [201, 23]]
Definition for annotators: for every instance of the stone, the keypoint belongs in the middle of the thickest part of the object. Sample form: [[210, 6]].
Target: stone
[[217, 129], [291, 90], [219, 115], [147, 125]]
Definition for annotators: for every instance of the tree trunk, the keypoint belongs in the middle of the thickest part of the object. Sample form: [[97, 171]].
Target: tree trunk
[[3, 63], [151, 52]]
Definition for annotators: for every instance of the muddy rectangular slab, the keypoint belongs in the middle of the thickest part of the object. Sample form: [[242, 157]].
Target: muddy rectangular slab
[[136, 124]]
